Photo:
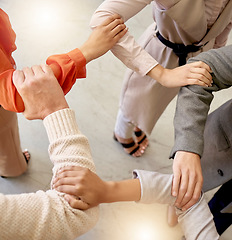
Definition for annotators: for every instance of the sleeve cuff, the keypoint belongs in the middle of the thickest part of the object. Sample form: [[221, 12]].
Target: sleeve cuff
[[60, 124]]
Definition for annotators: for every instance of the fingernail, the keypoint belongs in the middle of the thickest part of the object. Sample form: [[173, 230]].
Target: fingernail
[[174, 194]]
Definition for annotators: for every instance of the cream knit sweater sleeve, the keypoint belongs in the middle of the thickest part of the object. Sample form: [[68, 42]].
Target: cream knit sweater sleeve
[[46, 215]]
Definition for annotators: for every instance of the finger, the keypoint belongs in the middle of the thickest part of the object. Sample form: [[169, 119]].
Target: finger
[[202, 71], [182, 189], [195, 197], [110, 19], [46, 68], [114, 24], [65, 181], [66, 174], [175, 184], [121, 34], [69, 168], [201, 74], [190, 190], [193, 81], [37, 70], [201, 77], [201, 64], [18, 78], [72, 190], [28, 72], [118, 29], [76, 203]]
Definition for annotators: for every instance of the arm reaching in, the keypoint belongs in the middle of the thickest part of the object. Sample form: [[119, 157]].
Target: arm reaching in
[[193, 104], [81, 193], [85, 190], [194, 73], [66, 67], [104, 37], [46, 215]]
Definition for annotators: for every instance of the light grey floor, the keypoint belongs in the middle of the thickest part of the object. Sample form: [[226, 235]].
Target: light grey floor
[[95, 101]]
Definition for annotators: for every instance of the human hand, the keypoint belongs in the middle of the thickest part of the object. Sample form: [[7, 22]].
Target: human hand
[[103, 37], [40, 91], [187, 180], [83, 189], [192, 73]]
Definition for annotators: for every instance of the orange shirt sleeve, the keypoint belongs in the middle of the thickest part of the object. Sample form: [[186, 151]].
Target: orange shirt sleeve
[[68, 67], [9, 97]]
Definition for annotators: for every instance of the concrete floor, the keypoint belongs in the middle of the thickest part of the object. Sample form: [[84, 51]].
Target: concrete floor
[[95, 101]]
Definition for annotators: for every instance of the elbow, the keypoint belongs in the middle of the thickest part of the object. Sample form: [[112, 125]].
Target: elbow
[[92, 217], [98, 17]]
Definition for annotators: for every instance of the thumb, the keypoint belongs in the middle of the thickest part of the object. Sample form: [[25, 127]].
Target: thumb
[[76, 203], [18, 78]]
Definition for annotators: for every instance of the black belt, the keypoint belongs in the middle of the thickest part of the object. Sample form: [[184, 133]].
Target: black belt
[[179, 49]]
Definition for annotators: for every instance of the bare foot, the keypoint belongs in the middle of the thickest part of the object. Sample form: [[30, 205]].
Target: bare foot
[[130, 146], [141, 138]]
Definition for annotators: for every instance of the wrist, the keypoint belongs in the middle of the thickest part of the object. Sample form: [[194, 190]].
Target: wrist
[[85, 49], [54, 109], [157, 73], [110, 192]]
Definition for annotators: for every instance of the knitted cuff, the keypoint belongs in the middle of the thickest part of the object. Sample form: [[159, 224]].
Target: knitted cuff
[[60, 124]]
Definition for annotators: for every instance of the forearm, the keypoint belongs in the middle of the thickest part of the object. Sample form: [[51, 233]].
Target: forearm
[[68, 146], [68, 67], [193, 102], [46, 215], [158, 73], [127, 50], [42, 215], [127, 190]]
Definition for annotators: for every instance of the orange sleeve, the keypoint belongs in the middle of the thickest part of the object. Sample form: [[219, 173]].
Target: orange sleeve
[[68, 67], [9, 97]]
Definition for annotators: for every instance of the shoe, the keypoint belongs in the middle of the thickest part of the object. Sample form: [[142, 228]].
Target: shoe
[[127, 145], [139, 134], [27, 155]]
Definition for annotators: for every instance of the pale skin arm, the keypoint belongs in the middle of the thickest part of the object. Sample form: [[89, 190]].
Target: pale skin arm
[[103, 37], [187, 180], [92, 190], [189, 74]]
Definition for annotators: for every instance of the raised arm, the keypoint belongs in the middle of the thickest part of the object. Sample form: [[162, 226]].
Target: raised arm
[[66, 67], [191, 113]]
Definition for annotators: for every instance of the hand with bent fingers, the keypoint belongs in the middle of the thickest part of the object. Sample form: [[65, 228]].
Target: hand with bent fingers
[[192, 73], [187, 180], [83, 188], [103, 37], [40, 91]]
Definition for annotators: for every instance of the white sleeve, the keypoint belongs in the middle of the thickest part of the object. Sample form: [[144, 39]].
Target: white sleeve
[[46, 215], [127, 50]]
